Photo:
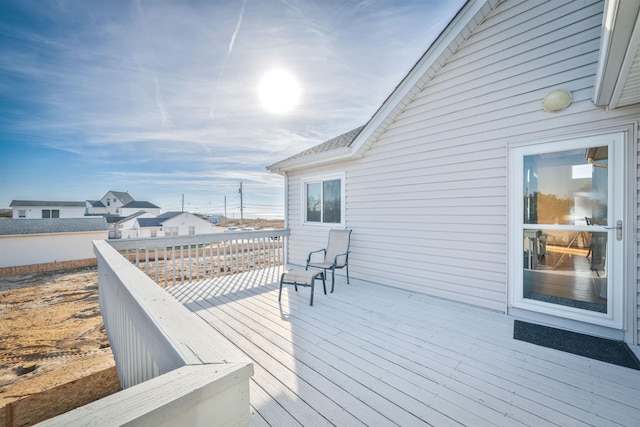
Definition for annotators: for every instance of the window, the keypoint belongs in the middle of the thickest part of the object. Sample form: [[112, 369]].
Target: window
[[192, 230], [50, 213], [22, 213], [322, 202], [171, 231]]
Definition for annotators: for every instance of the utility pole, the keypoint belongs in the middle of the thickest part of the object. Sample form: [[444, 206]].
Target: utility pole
[[182, 202], [225, 208], [241, 207]]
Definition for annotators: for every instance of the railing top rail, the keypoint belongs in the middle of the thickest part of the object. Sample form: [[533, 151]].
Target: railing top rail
[[164, 242], [195, 344]]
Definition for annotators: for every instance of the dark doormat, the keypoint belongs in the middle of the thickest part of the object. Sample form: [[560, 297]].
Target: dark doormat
[[605, 350]]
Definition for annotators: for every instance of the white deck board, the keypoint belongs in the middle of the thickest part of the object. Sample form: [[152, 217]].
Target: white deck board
[[375, 355]]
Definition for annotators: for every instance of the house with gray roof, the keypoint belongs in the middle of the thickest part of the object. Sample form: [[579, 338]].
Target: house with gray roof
[[173, 224], [26, 242], [119, 204], [38, 209]]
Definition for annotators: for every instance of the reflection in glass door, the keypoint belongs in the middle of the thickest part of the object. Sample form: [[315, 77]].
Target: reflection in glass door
[[566, 216], [565, 256]]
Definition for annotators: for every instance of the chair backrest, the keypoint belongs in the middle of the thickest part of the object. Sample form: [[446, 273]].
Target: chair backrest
[[339, 241]]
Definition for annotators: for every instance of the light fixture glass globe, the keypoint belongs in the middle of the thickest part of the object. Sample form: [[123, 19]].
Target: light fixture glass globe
[[557, 100]]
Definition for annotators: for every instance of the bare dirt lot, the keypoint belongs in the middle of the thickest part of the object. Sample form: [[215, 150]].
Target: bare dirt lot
[[51, 336], [51, 331]]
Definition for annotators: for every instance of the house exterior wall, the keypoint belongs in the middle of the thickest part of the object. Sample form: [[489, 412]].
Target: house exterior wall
[[186, 220], [93, 210], [112, 204], [149, 231], [127, 229], [429, 198], [35, 212], [28, 249]]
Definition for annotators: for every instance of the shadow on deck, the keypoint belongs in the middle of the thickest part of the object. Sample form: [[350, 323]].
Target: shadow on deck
[[375, 355]]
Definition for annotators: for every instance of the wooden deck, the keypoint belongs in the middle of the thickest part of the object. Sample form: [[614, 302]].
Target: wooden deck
[[378, 356]]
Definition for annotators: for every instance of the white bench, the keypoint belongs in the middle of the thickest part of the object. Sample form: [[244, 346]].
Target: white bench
[[301, 278]]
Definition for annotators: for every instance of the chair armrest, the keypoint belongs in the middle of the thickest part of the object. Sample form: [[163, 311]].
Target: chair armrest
[[346, 259], [314, 252]]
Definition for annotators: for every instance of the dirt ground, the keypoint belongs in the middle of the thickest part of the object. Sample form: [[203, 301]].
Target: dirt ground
[[51, 331]]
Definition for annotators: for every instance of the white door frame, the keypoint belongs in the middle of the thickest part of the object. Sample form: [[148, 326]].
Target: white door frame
[[617, 275]]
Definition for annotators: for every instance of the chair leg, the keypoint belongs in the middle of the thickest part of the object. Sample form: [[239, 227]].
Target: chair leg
[[324, 284], [333, 278], [347, 268], [313, 281], [280, 293]]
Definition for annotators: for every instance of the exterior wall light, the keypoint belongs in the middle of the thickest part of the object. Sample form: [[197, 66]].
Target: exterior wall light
[[556, 101]]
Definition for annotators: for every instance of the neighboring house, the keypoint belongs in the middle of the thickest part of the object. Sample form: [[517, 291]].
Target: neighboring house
[[466, 186], [41, 241], [135, 207], [95, 207], [118, 205], [113, 201], [127, 228], [217, 219], [38, 209], [173, 224]]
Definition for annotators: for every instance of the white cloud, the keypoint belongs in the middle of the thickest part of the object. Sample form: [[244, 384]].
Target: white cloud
[[163, 94]]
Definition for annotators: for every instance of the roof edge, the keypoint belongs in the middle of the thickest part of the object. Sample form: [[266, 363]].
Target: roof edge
[[619, 23], [442, 48], [444, 45]]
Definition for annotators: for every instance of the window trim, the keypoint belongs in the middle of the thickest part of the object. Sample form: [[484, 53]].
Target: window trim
[[303, 198]]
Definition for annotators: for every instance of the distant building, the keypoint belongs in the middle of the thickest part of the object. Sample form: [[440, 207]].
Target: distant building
[[119, 203], [39, 209], [49, 240], [173, 224], [127, 228], [217, 219], [136, 207]]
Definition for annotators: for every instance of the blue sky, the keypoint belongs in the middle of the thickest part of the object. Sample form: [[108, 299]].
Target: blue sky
[[160, 98]]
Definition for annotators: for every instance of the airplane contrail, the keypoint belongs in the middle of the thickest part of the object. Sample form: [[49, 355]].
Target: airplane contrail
[[231, 43]]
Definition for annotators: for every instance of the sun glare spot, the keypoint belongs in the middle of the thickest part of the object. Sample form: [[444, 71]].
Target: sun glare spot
[[279, 91]]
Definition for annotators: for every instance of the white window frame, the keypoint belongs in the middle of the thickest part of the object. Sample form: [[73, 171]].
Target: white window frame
[[303, 202]]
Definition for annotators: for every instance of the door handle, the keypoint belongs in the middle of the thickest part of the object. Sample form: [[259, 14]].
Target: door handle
[[618, 229]]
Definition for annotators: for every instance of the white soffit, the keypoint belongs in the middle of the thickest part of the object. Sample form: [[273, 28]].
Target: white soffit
[[618, 76]]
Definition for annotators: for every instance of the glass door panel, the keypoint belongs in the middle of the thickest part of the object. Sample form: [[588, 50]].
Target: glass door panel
[[566, 194]]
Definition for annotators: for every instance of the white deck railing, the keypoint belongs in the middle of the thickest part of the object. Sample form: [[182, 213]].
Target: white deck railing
[[183, 259], [173, 368]]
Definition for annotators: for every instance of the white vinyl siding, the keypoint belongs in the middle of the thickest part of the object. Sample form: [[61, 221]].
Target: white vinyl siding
[[428, 201]]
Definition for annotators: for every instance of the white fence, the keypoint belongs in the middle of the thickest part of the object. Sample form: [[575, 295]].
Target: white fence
[[174, 369], [183, 259]]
